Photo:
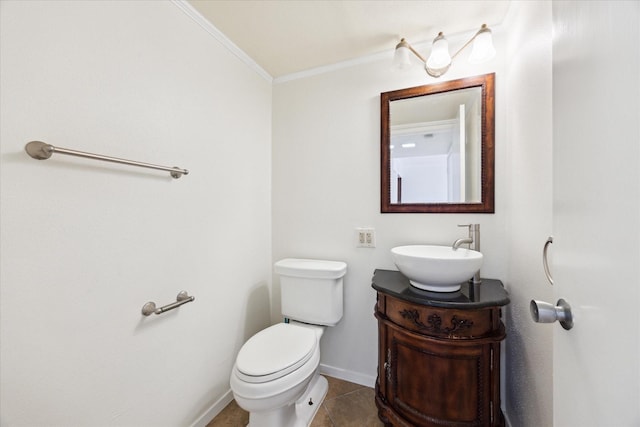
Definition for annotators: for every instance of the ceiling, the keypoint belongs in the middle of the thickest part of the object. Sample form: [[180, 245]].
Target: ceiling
[[290, 36]]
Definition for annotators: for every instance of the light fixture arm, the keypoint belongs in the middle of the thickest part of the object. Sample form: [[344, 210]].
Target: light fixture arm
[[404, 43], [436, 72], [482, 29]]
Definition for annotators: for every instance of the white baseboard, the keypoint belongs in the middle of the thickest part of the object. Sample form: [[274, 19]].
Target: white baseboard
[[343, 374], [507, 423], [214, 410]]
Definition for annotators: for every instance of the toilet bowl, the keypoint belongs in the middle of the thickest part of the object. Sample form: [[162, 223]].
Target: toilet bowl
[[275, 377]]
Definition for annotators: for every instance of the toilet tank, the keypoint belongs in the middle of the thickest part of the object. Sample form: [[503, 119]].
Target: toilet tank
[[311, 290]]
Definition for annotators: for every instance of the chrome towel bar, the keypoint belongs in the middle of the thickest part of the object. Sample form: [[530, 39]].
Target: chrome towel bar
[[182, 298], [41, 151]]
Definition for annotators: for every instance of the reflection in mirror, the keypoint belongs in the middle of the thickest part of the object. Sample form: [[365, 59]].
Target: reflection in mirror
[[437, 147]]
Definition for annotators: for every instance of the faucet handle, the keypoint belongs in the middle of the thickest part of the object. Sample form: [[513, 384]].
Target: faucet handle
[[465, 225]]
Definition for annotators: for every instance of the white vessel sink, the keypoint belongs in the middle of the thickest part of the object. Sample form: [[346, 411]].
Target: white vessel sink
[[436, 268]]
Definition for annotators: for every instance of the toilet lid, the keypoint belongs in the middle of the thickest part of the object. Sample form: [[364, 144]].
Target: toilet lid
[[275, 352]]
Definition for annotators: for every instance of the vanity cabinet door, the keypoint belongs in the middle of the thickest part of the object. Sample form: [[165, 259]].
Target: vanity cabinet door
[[431, 383]]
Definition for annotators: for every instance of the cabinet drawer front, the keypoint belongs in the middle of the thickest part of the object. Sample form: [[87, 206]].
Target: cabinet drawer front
[[441, 322]]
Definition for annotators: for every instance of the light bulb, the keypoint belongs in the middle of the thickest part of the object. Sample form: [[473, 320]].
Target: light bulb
[[402, 56], [439, 57], [483, 49]]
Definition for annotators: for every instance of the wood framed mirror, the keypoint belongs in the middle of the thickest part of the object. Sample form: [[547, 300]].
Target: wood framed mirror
[[437, 147]]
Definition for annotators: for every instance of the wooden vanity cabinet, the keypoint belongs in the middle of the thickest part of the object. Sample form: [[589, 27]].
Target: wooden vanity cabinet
[[439, 360]]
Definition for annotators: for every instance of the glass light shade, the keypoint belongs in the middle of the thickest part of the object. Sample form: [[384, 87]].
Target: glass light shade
[[483, 49], [439, 57], [402, 57]]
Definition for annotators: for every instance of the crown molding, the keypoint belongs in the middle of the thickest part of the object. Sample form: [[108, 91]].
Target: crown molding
[[333, 67], [192, 13]]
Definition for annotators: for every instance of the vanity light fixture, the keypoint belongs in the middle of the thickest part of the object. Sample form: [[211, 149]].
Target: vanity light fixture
[[440, 60]]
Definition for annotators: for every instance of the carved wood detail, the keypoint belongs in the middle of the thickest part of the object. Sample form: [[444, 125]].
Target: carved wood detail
[[435, 322]]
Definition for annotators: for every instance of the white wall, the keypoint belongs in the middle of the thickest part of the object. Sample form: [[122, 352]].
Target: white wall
[[326, 182], [529, 365], [85, 244]]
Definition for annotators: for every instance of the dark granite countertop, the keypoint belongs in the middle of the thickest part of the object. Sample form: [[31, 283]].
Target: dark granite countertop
[[489, 293]]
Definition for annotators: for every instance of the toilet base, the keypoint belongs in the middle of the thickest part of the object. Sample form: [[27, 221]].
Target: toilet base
[[298, 414]]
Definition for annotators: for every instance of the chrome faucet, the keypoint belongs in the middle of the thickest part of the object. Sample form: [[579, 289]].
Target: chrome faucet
[[459, 242], [473, 241]]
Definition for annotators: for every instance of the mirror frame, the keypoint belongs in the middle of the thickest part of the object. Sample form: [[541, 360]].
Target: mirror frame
[[487, 203]]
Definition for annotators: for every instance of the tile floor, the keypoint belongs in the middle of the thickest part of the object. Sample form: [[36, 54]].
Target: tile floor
[[346, 405]]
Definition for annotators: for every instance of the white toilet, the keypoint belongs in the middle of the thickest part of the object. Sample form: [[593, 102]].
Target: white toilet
[[275, 377]]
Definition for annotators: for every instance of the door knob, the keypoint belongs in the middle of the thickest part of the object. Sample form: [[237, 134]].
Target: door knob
[[543, 312]]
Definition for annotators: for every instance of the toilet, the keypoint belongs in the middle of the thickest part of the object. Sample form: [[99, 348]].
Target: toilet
[[275, 377]]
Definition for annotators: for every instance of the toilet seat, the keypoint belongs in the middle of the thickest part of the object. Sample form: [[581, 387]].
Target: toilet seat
[[275, 352]]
